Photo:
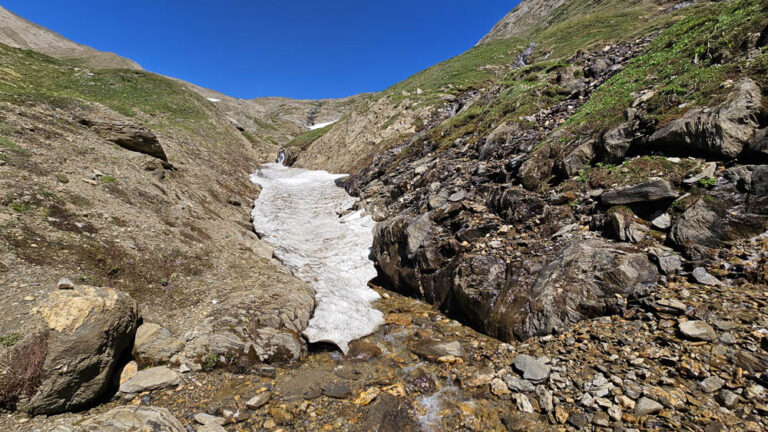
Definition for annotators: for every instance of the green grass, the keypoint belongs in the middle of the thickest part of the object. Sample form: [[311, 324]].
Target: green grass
[[470, 69], [19, 207], [303, 141], [677, 68], [108, 179], [27, 77], [10, 339]]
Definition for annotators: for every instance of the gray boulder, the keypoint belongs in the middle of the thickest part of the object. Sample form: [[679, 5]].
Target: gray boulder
[[724, 131], [615, 143], [577, 159], [130, 419], [154, 344], [532, 369], [84, 337], [255, 326], [710, 223], [653, 189], [579, 283], [156, 378], [626, 227]]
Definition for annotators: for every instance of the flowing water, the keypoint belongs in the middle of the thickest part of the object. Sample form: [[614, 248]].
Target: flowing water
[[298, 211]]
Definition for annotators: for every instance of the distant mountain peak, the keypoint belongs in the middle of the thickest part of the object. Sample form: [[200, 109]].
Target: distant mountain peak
[[17, 32], [521, 19]]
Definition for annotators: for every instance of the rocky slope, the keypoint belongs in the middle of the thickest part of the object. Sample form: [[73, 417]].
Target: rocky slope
[[17, 32]]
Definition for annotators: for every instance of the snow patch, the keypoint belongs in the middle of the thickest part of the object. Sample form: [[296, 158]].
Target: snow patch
[[322, 125], [298, 211], [214, 99]]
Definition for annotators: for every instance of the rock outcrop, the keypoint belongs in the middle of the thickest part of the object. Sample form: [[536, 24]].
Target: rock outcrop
[[726, 131], [83, 336]]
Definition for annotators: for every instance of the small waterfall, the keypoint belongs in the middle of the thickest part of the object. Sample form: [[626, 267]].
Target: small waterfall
[[280, 157]]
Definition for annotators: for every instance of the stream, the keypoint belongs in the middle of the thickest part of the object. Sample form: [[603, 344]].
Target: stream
[[299, 211]]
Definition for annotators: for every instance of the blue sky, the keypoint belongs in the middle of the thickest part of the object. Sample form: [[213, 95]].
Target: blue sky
[[293, 48]]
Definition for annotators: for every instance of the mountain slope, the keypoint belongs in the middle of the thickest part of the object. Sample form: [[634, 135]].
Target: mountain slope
[[17, 32], [521, 19]]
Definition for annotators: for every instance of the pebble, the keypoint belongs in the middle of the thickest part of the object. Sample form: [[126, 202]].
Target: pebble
[[532, 369], [258, 401], [206, 419], [712, 384], [701, 276], [647, 406], [698, 330], [65, 284]]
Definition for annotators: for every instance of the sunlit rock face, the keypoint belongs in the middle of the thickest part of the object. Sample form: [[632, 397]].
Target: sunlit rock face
[[298, 211]]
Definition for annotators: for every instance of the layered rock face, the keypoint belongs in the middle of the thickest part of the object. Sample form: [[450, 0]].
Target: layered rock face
[[496, 235]]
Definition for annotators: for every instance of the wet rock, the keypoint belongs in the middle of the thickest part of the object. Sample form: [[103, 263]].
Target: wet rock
[[724, 131], [697, 330], [532, 369], [155, 378], [647, 406], [85, 336], [362, 351], [337, 390], [711, 384], [154, 344], [130, 419], [258, 401], [366, 396], [701, 276], [434, 349], [388, 414], [654, 189]]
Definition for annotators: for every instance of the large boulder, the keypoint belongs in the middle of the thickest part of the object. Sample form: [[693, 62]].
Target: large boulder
[[154, 344], [651, 190], [615, 143], [254, 326], [131, 419], [80, 340], [711, 222], [128, 136], [577, 159], [581, 282], [725, 131]]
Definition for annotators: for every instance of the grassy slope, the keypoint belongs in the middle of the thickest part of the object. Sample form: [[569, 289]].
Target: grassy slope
[[29, 77], [679, 65]]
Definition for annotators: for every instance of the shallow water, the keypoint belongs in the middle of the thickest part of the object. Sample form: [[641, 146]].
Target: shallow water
[[298, 212]]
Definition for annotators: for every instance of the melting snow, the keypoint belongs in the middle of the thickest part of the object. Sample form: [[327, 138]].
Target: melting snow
[[322, 125], [214, 99], [297, 212]]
